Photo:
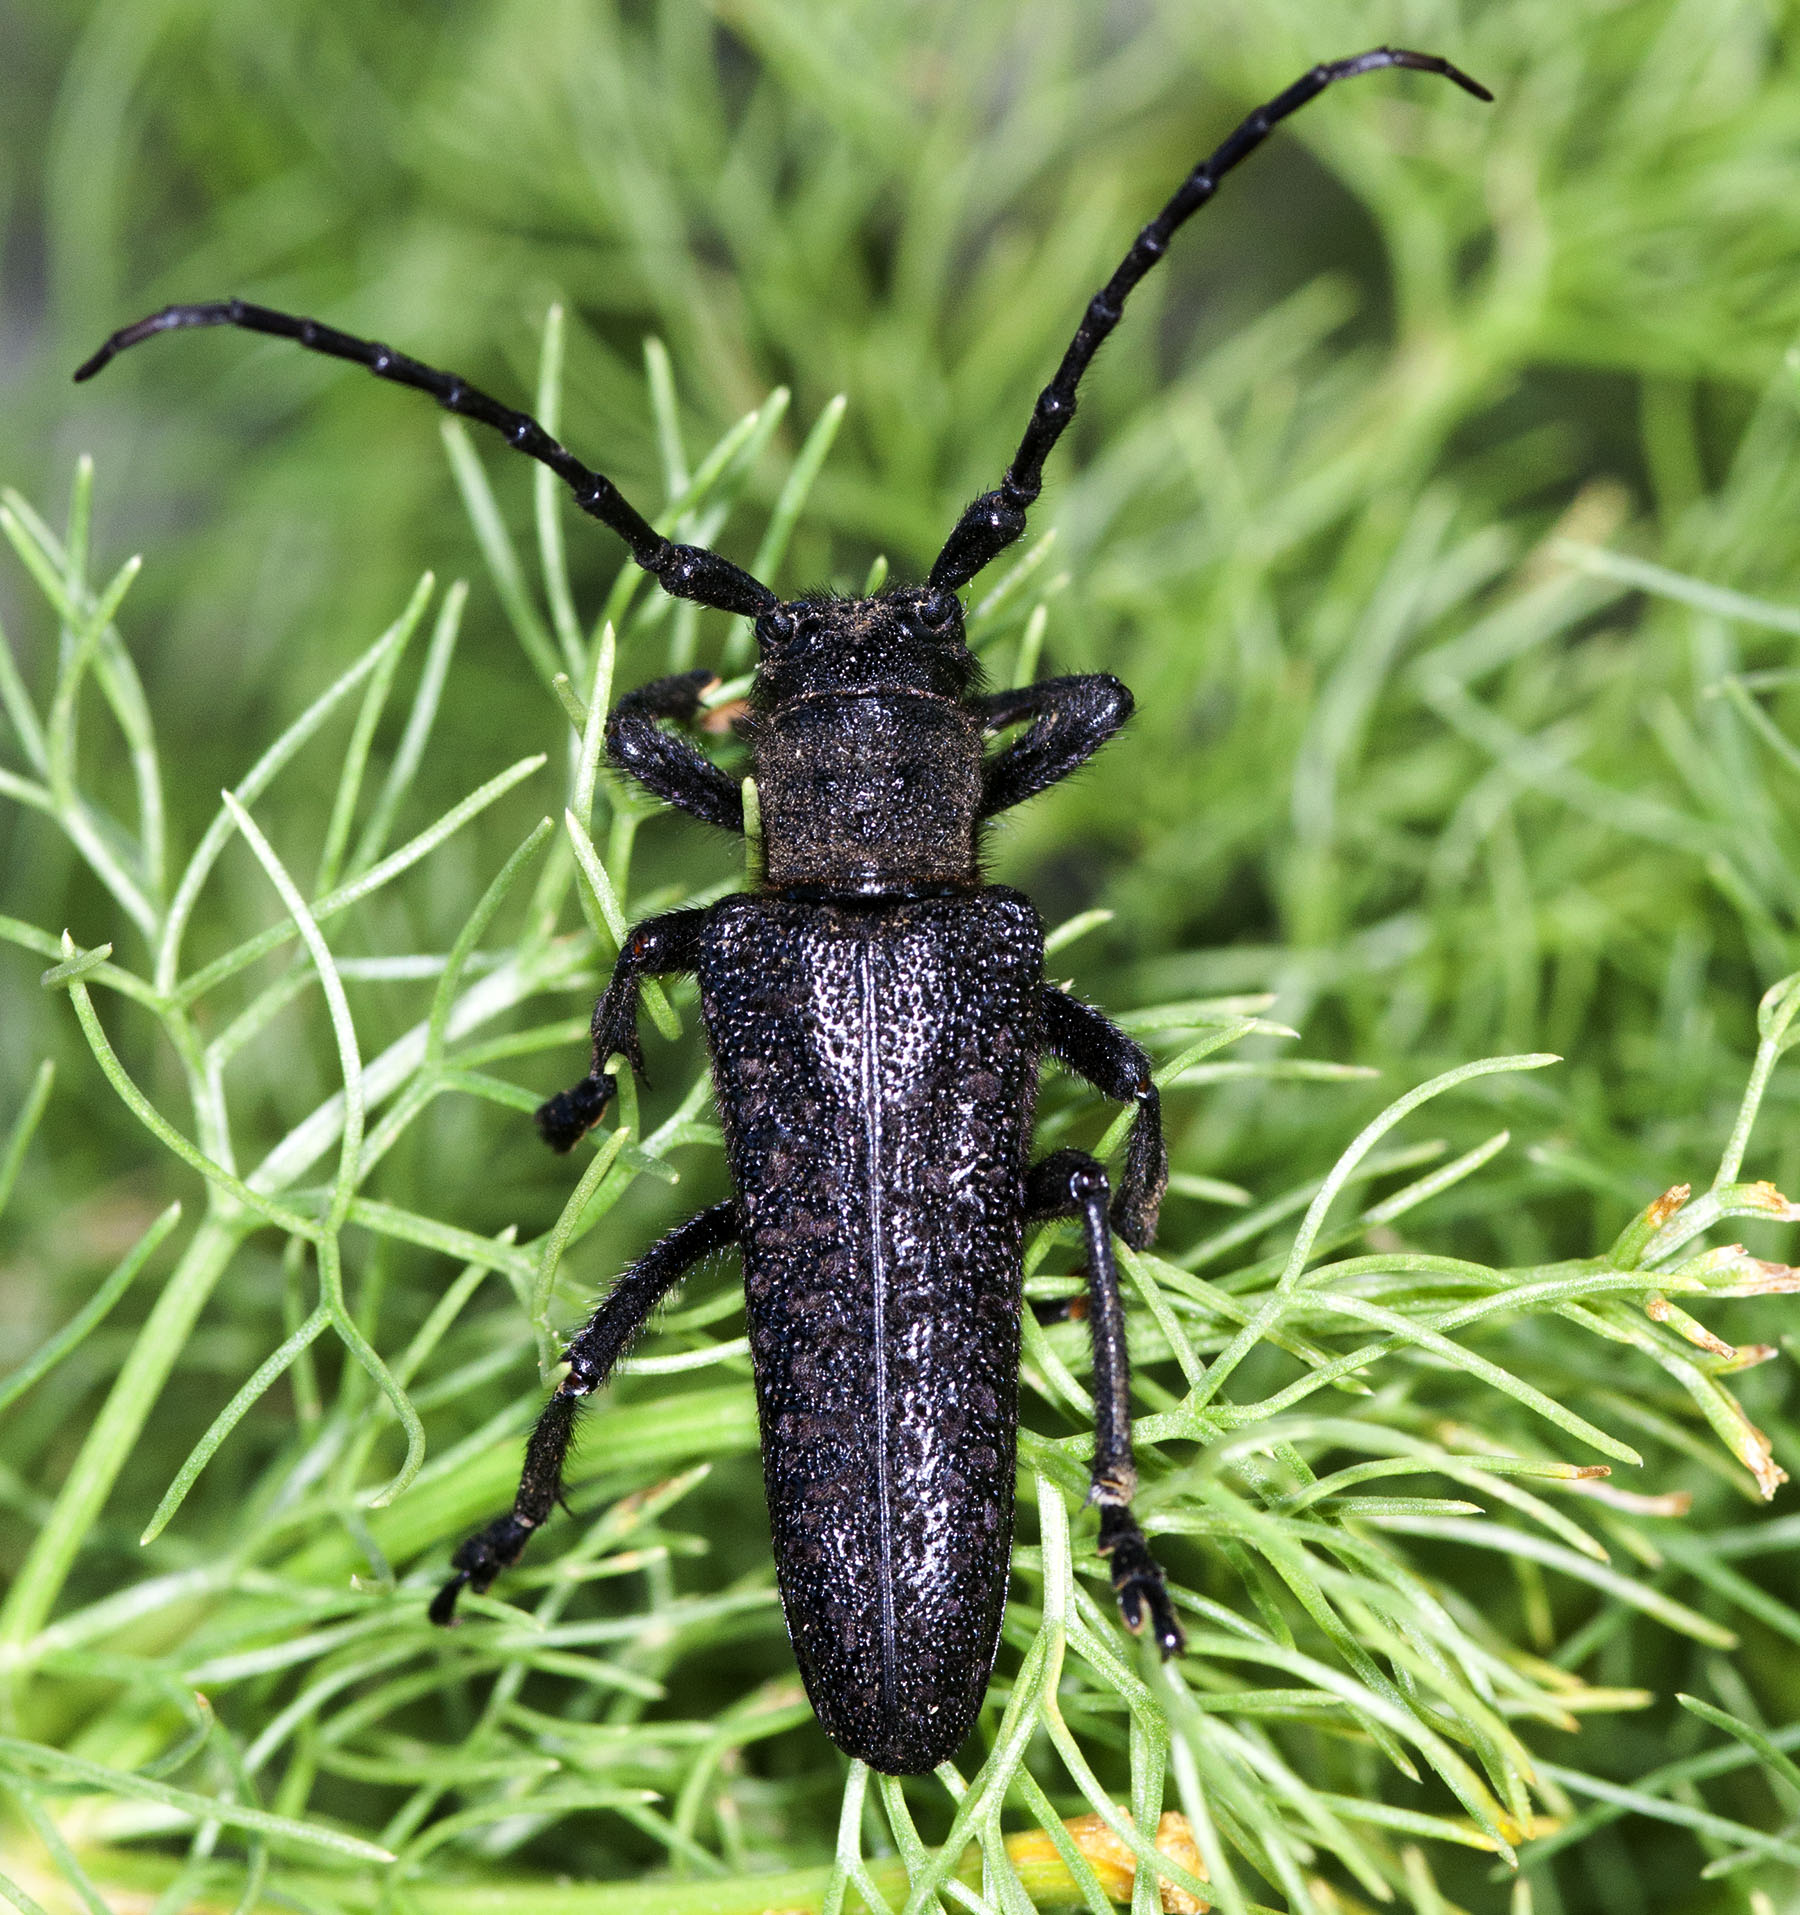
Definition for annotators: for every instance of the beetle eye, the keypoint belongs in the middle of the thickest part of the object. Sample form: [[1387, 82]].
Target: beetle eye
[[935, 609], [776, 627]]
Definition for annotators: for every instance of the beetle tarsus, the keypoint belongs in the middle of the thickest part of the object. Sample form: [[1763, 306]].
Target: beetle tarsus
[[654, 948], [676, 697], [478, 1561], [1138, 1581], [566, 1118], [1136, 1207], [443, 1604]]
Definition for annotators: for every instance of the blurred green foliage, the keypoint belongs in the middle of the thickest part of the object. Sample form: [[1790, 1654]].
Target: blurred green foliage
[[1361, 502]]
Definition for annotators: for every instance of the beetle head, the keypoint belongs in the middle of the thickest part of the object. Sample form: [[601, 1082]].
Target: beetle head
[[906, 639]]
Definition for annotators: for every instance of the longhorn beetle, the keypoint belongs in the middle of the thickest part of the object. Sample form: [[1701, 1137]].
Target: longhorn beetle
[[876, 1015]]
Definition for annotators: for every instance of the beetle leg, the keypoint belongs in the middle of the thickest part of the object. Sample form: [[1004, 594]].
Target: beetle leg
[[653, 948], [590, 1357], [1070, 1183], [1071, 718], [1094, 1047], [665, 764]]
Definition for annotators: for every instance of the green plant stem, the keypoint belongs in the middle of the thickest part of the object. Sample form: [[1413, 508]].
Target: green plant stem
[[116, 1430], [802, 1891]]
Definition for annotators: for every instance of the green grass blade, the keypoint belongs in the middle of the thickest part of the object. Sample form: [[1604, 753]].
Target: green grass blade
[[362, 736], [269, 1371], [73, 1333], [18, 1139], [55, 1766], [354, 890], [497, 548]]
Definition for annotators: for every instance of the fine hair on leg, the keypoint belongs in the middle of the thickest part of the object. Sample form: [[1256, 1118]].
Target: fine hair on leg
[[590, 1357], [654, 948], [1094, 1047]]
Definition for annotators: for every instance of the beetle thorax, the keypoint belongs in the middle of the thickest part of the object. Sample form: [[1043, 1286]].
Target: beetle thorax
[[868, 760]]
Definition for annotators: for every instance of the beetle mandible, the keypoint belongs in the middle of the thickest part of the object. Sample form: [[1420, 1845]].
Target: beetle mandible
[[876, 1014]]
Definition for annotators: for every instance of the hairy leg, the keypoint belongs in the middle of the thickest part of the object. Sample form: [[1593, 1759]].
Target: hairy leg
[[1095, 1048], [665, 763], [1069, 1183], [652, 949], [590, 1357], [1071, 718]]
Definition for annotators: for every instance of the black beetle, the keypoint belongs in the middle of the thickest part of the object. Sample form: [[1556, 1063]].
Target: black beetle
[[876, 1015]]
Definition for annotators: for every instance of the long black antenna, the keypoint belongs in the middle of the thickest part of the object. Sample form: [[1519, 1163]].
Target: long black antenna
[[683, 571], [993, 521]]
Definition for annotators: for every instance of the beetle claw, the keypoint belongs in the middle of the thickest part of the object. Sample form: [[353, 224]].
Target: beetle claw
[[443, 1604], [695, 685]]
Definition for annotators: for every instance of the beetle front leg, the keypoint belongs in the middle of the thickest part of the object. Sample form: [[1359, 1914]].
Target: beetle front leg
[[1070, 1183], [590, 1357], [1071, 718], [668, 765], [653, 949], [1095, 1048]]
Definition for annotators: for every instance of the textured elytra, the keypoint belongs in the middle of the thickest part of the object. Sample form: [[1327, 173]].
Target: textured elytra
[[876, 1070]]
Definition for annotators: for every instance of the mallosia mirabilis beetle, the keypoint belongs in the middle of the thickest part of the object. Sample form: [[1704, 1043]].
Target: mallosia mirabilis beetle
[[876, 1015]]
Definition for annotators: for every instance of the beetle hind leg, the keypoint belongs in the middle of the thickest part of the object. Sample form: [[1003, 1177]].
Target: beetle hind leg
[[590, 1356], [1070, 1183]]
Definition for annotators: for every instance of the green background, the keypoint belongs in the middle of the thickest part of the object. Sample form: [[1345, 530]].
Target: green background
[[1401, 757]]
